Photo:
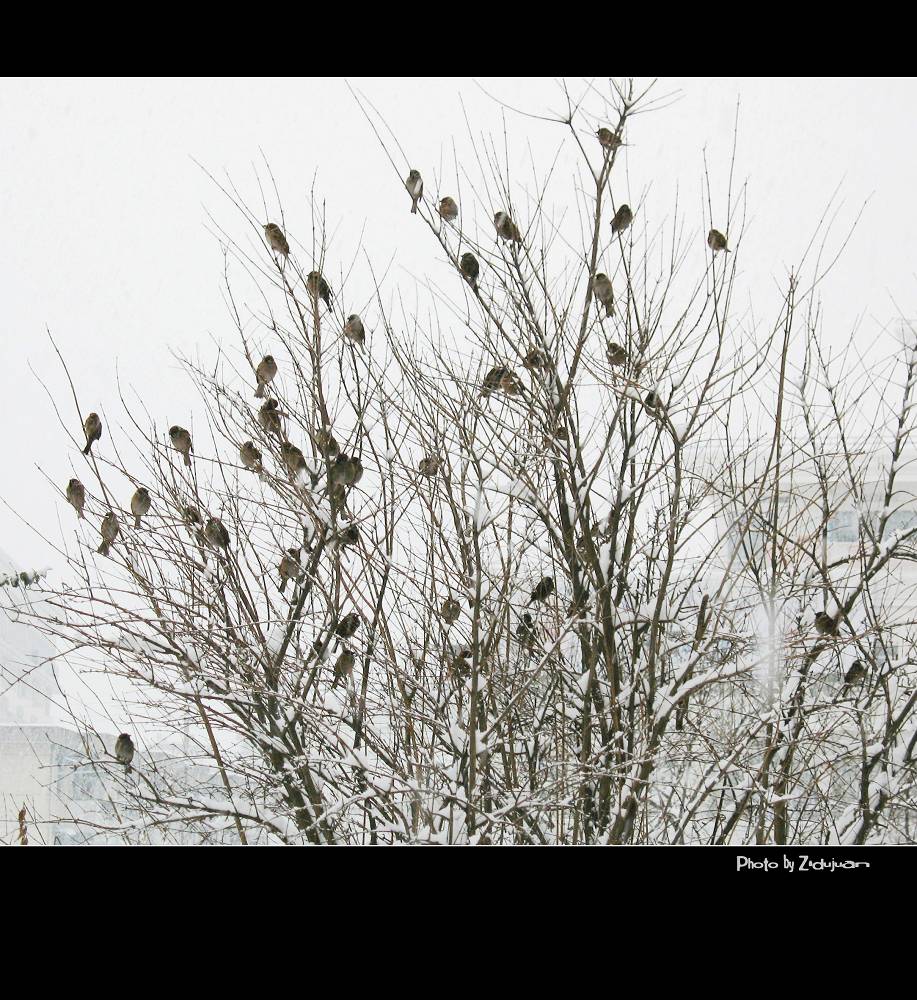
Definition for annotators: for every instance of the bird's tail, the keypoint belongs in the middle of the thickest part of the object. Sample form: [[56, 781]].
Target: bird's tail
[[187, 457], [80, 515], [259, 392], [609, 309], [103, 549], [127, 769], [283, 585], [414, 207], [136, 521], [88, 446]]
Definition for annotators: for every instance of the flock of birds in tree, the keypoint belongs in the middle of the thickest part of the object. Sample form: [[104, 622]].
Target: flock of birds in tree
[[345, 471]]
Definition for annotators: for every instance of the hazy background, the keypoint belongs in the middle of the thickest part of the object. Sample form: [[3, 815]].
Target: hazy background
[[104, 234]]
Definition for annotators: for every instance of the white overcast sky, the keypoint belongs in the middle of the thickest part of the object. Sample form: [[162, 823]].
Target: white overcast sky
[[104, 236]]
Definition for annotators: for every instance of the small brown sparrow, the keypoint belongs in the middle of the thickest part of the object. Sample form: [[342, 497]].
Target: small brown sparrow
[[348, 625], [470, 269], [290, 567], [109, 531], [276, 240], [506, 228], [601, 287], [448, 209], [251, 457], [543, 589], [343, 666], [293, 459], [414, 184], [76, 496], [269, 418], [124, 751], [623, 218], [500, 378], [216, 534], [615, 354], [825, 624], [318, 287], [609, 140], [264, 373], [855, 675], [353, 330], [92, 428], [140, 504], [717, 241], [429, 465], [450, 611], [181, 442]]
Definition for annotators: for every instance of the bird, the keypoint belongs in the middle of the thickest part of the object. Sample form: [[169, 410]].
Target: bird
[[500, 378], [535, 360], [191, 515], [717, 241], [609, 140], [181, 442], [293, 459], [124, 751], [348, 625], [623, 218], [343, 666], [525, 631], [290, 568], [543, 589], [345, 471], [318, 287], [459, 666], [855, 675], [653, 402], [326, 443], [506, 228], [450, 611], [109, 531], [826, 624], [250, 456], [216, 534], [601, 287], [615, 354], [349, 536], [140, 504], [414, 184], [353, 330], [76, 496], [470, 269], [448, 209], [92, 427], [269, 418], [264, 373], [429, 465], [276, 240]]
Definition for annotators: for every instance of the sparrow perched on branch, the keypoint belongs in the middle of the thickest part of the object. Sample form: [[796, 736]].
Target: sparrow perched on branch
[[216, 534], [601, 287], [251, 457], [609, 140], [506, 228], [717, 241], [535, 360], [353, 330], [293, 459], [653, 403], [855, 675], [346, 471], [318, 287], [191, 515], [825, 624], [181, 442], [269, 418], [470, 269], [326, 443], [543, 589], [525, 631], [343, 667], [276, 240], [429, 465], [460, 664], [76, 496], [615, 354], [140, 504], [414, 184], [109, 531], [264, 373], [349, 536], [623, 218], [348, 625], [450, 611], [500, 378], [92, 428], [124, 751], [448, 209], [290, 567]]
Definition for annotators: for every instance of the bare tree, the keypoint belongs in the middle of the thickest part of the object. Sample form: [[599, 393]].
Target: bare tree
[[544, 561]]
